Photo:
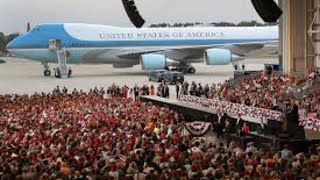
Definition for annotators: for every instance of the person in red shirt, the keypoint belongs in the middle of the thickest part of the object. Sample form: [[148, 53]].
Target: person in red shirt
[[152, 93], [245, 128]]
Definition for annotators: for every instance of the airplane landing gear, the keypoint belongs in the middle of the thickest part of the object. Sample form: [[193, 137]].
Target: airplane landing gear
[[46, 71]]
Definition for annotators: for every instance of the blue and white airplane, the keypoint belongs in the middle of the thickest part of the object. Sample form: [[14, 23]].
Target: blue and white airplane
[[153, 48]]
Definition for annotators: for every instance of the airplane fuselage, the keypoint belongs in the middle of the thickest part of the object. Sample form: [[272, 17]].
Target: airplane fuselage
[[92, 44]]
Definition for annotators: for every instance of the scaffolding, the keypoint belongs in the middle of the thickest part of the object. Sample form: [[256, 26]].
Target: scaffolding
[[314, 31], [62, 55]]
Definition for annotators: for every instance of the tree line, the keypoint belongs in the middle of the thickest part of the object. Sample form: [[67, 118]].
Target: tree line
[[5, 39], [218, 24]]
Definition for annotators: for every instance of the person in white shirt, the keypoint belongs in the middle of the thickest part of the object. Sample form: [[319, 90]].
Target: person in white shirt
[[251, 148]]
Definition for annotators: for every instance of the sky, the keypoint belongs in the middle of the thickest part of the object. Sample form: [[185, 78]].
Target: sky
[[15, 14]]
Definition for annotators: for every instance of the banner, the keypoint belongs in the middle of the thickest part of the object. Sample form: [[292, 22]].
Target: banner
[[310, 122], [196, 128], [233, 109], [248, 113]]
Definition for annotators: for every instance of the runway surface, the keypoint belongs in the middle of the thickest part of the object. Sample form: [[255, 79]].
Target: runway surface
[[26, 77]]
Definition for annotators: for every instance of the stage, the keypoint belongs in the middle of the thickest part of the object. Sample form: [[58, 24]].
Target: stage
[[190, 112], [271, 138]]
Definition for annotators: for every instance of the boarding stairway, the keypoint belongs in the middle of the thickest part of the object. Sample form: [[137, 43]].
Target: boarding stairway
[[55, 45], [62, 55]]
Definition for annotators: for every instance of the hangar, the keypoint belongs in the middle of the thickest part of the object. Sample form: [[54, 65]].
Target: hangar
[[299, 35]]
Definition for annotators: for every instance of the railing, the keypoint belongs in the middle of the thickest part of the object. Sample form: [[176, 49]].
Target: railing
[[248, 113], [294, 74], [234, 82]]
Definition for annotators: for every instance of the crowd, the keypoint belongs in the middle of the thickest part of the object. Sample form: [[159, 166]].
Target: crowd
[[81, 135], [162, 91], [263, 90], [105, 135]]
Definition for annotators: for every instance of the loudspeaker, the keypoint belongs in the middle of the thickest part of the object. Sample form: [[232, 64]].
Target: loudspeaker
[[267, 9], [133, 13]]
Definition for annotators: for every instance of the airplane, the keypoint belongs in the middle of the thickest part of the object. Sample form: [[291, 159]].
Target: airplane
[[153, 48]]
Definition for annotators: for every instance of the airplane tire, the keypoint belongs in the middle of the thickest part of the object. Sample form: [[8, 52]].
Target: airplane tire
[[47, 73], [192, 70]]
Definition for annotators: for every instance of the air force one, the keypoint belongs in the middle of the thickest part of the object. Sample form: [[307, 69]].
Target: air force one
[[153, 48]]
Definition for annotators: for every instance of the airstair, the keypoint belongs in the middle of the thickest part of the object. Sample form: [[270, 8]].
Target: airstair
[[62, 55]]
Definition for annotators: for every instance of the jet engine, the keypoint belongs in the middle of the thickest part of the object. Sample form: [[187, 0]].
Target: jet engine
[[156, 61], [220, 57]]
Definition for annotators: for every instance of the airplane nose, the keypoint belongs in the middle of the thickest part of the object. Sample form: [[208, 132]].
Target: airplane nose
[[18, 42], [11, 45]]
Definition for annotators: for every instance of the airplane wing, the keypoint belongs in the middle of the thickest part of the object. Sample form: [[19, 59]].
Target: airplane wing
[[191, 53], [267, 51]]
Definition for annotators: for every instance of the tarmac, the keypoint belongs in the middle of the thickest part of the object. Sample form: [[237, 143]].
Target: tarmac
[[21, 76]]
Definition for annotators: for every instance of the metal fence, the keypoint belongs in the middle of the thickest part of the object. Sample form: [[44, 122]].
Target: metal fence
[[236, 81], [294, 74]]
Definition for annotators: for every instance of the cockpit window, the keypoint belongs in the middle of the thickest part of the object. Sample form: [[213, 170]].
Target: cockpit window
[[35, 29]]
